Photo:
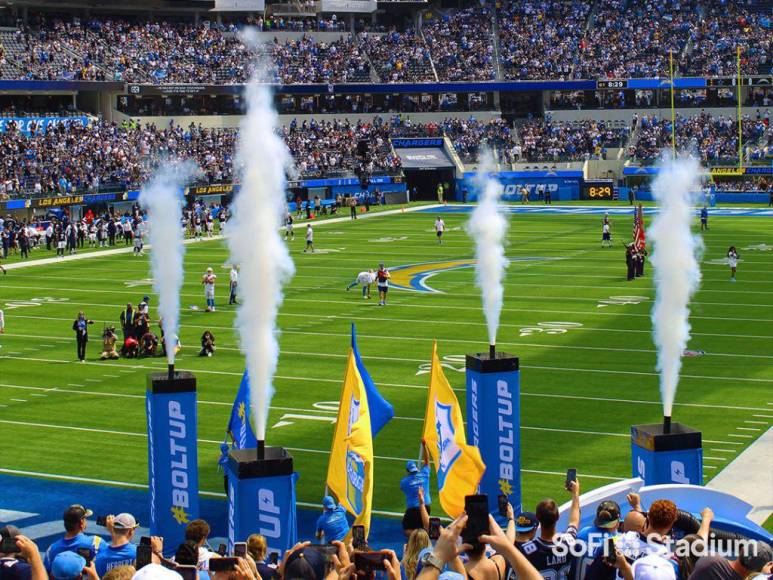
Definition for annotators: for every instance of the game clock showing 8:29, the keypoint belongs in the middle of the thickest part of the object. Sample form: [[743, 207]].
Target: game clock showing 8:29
[[597, 189]]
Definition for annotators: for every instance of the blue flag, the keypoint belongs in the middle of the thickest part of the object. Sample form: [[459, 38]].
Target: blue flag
[[381, 411], [239, 426]]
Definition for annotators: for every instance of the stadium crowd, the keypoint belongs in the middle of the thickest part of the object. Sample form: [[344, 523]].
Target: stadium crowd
[[554, 39], [659, 543], [103, 156], [551, 140], [713, 138], [70, 157]]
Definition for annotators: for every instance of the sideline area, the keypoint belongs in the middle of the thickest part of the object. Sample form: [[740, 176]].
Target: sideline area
[[750, 477], [130, 249]]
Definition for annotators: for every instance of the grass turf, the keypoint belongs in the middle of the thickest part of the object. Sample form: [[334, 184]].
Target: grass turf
[[582, 388]]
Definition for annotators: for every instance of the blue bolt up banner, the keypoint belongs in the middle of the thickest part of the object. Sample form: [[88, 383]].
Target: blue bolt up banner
[[661, 458], [173, 471], [494, 424], [261, 498]]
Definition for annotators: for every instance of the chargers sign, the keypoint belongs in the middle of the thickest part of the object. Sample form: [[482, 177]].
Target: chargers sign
[[172, 455]]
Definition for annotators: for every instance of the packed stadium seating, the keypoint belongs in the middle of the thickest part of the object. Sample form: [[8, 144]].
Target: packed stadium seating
[[105, 155], [551, 39]]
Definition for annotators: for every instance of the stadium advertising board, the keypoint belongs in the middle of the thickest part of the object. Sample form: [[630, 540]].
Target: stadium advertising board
[[563, 184], [417, 142], [210, 189], [41, 124]]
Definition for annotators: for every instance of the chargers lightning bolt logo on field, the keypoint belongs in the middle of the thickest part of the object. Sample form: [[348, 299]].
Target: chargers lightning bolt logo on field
[[414, 277]]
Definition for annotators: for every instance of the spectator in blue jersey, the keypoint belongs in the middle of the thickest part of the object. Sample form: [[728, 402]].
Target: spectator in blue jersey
[[121, 551], [74, 525], [417, 479], [332, 525], [606, 523], [26, 564], [72, 566]]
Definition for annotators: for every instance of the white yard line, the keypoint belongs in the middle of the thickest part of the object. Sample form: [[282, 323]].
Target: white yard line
[[750, 477], [313, 411], [130, 249], [561, 369], [210, 441]]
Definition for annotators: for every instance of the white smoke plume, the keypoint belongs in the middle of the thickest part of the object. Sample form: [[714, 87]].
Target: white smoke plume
[[676, 251], [488, 227], [162, 196], [256, 246]]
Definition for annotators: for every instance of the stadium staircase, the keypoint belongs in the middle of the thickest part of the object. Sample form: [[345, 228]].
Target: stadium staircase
[[420, 30], [454, 156], [497, 60]]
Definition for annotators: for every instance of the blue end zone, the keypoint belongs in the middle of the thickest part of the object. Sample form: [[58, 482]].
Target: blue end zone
[[599, 209], [36, 506]]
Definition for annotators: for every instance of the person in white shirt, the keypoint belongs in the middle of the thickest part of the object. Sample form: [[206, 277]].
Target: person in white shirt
[[208, 280], [234, 278], [606, 235], [2, 321], [366, 279], [309, 239], [440, 227]]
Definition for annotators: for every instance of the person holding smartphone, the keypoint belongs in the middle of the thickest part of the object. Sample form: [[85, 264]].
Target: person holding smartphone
[[121, 551], [256, 548], [448, 548], [547, 552], [75, 522], [22, 558]]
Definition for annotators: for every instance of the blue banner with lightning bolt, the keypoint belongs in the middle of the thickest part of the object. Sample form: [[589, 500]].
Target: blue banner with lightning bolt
[[173, 469]]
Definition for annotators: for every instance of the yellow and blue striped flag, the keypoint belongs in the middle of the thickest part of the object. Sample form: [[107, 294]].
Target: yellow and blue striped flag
[[350, 471]]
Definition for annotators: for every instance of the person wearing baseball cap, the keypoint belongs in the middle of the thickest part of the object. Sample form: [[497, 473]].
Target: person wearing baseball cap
[[606, 523], [121, 551], [416, 480], [72, 566], [525, 527], [25, 564], [74, 525], [332, 524], [754, 557]]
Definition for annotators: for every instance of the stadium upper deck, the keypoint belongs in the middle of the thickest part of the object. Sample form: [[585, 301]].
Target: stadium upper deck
[[524, 40]]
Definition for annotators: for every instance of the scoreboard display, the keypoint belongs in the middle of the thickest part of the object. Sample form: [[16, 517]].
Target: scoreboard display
[[602, 189]]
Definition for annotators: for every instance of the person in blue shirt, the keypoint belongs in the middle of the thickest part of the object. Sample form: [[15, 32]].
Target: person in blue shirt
[[332, 524], [417, 479], [74, 525], [704, 218], [121, 551], [605, 524]]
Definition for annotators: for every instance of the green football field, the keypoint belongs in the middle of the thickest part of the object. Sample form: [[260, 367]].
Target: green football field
[[582, 333]]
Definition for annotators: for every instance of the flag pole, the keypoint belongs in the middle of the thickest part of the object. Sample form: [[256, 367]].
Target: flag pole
[[673, 111], [738, 98]]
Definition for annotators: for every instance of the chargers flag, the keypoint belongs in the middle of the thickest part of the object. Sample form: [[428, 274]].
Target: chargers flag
[[639, 239], [459, 466], [350, 471], [239, 428], [381, 410]]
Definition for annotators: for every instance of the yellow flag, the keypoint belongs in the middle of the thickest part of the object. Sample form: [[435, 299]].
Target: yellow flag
[[350, 471], [459, 466]]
